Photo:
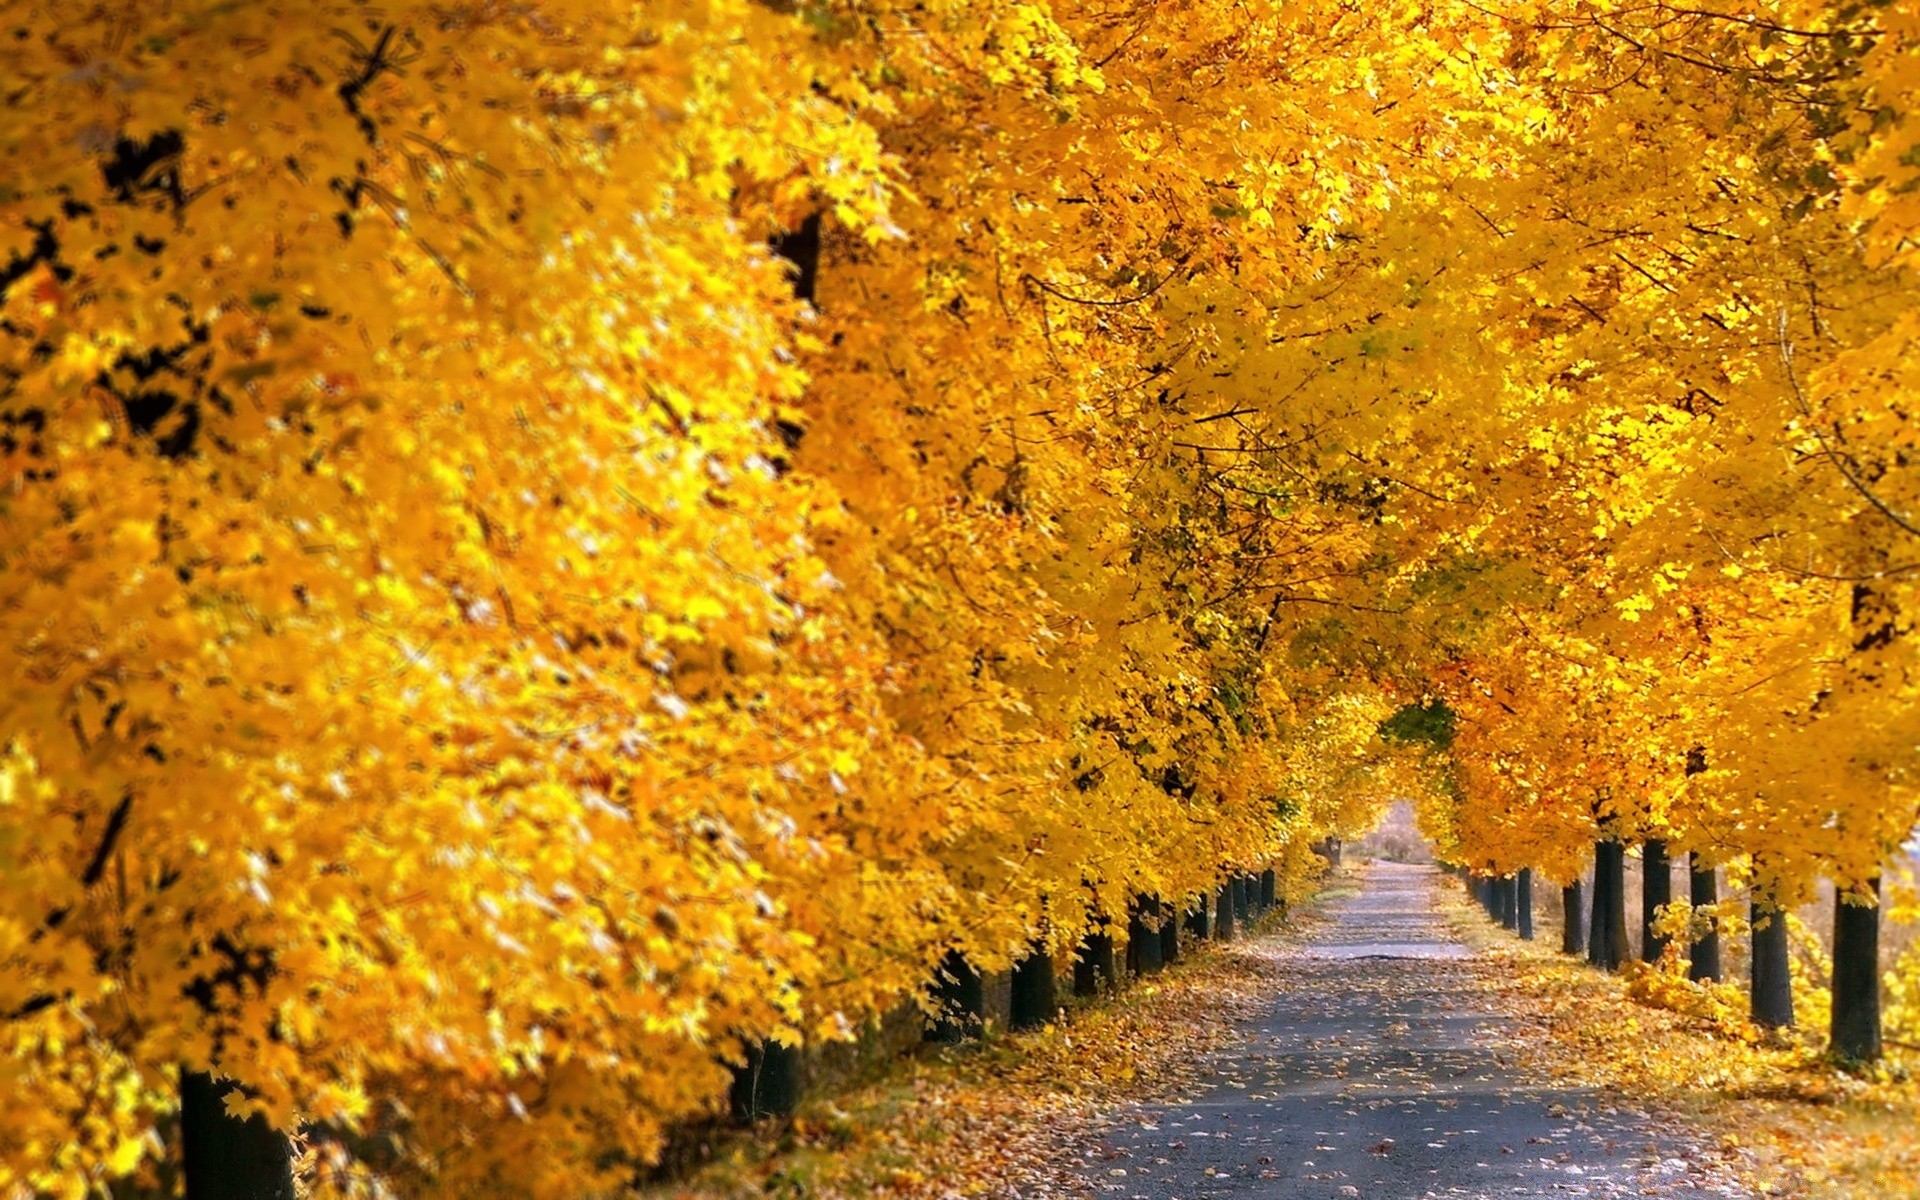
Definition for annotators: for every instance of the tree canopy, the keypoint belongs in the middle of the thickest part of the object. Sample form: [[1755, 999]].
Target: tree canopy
[[542, 545]]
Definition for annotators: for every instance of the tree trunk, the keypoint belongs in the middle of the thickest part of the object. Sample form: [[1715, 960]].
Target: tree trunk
[[1772, 990], [1856, 979], [1242, 911], [767, 1085], [1223, 909], [1573, 935], [1656, 892], [1169, 936], [1034, 1004], [960, 994], [1200, 919], [1523, 889], [1269, 888], [1093, 966], [224, 1158], [1143, 937], [1607, 932], [1703, 889], [1509, 903]]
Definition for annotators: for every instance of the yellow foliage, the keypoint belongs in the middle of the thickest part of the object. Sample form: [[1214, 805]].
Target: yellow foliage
[[479, 649]]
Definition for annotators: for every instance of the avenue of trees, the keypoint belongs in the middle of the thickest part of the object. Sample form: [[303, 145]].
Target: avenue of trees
[[557, 556]]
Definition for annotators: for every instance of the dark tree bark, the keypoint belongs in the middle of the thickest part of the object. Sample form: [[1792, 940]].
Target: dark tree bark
[[1143, 937], [1509, 903], [1856, 979], [1269, 888], [1169, 936], [1573, 910], [1607, 932], [1242, 911], [1656, 892], [801, 247], [768, 1084], [1523, 890], [1703, 889], [1034, 1002], [1772, 980], [224, 1158], [1093, 965], [1200, 919], [960, 994], [1223, 913]]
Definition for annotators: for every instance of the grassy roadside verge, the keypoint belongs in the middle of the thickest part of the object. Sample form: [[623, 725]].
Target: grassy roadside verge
[[1785, 1120], [989, 1119]]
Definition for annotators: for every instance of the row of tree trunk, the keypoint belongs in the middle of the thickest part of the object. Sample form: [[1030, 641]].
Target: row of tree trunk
[[1596, 925], [1153, 935], [1508, 899], [769, 1084]]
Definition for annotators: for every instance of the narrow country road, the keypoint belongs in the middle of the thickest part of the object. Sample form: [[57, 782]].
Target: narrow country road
[[1373, 1075]]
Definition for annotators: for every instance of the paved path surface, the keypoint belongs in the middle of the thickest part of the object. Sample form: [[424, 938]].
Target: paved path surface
[[1374, 1076]]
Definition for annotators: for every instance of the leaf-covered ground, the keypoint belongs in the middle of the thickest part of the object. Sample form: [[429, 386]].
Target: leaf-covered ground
[[1388, 1044], [1381, 1068], [1791, 1123], [991, 1119]]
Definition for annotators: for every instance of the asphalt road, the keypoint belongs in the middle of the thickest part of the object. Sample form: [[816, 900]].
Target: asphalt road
[[1375, 1074]]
